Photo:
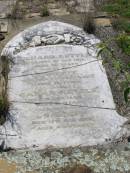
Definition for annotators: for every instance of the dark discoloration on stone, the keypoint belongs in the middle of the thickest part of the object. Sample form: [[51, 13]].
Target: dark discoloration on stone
[[78, 169], [2, 37]]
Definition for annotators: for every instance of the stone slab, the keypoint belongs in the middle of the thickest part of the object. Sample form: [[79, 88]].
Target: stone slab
[[59, 74], [59, 94], [60, 97], [49, 125], [104, 22]]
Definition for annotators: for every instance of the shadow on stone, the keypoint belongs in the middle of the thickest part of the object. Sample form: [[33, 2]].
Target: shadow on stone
[[4, 104], [2, 37]]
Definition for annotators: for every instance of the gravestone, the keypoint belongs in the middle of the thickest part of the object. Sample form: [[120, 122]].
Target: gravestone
[[58, 90]]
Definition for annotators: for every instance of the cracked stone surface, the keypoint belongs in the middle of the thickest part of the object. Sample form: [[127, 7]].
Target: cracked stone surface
[[59, 94]]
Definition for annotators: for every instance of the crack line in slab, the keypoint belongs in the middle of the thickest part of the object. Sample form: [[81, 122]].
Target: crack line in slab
[[65, 104], [51, 71], [6, 134]]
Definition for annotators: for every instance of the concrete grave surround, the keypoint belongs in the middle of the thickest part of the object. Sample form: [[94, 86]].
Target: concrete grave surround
[[58, 90]]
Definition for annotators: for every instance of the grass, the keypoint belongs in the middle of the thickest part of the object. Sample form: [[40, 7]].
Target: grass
[[44, 11], [112, 8], [120, 10], [123, 41], [4, 107], [4, 103], [120, 7], [121, 25]]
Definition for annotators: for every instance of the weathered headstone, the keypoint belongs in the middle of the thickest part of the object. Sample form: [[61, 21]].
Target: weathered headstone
[[59, 94]]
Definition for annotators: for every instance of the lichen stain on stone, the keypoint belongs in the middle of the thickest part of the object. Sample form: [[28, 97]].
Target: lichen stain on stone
[[6, 167]]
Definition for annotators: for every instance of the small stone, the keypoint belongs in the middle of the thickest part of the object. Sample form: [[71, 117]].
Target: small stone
[[4, 26], [36, 40], [67, 38]]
